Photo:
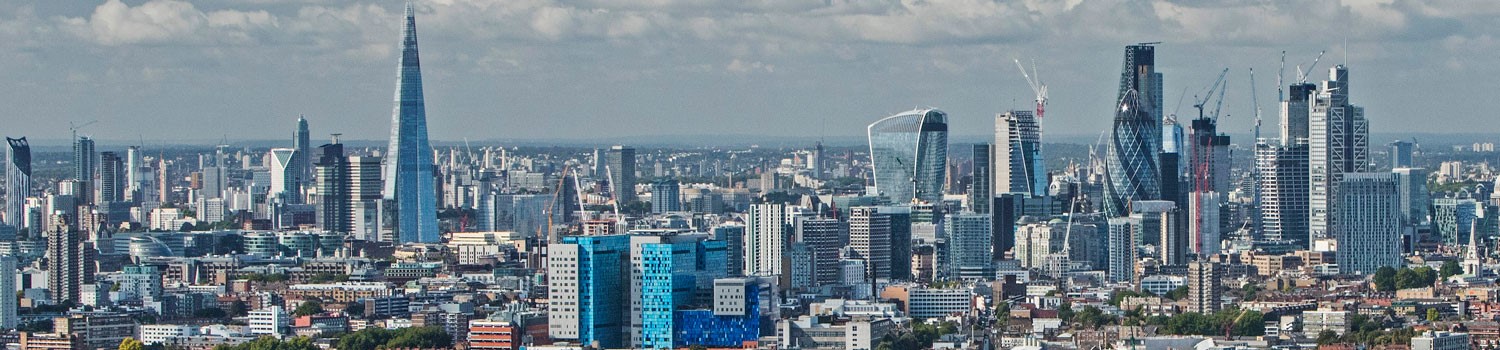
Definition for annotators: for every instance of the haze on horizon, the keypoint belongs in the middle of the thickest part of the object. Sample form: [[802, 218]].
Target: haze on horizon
[[538, 69]]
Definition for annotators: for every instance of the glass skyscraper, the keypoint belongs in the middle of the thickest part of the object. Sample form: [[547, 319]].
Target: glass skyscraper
[[17, 180], [1132, 170], [1133, 167], [409, 164], [1019, 167], [910, 153]]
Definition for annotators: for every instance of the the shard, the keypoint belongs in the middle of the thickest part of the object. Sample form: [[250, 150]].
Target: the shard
[[409, 165]]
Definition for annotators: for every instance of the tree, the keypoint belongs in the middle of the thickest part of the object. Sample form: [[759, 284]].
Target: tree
[[1406, 278], [1385, 279], [1178, 293], [1120, 295], [355, 309], [1432, 315], [1327, 337], [271, 343], [422, 338], [1065, 312], [132, 344], [211, 312], [1451, 268], [238, 308], [368, 338], [310, 307]]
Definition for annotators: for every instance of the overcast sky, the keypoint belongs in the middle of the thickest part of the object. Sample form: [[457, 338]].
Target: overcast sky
[[582, 69]]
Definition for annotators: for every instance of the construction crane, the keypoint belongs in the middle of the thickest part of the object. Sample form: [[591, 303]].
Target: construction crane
[[1219, 86], [1302, 75], [1280, 94], [74, 127], [1037, 87], [1255, 170]]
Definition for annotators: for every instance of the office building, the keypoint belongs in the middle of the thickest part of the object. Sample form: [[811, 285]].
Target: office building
[[1019, 166], [909, 152], [1132, 172], [1283, 192], [139, 282], [1208, 158], [334, 214], [1368, 211], [1338, 143], [621, 163], [969, 256], [1452, 218], [1440, 340], [84, 165], [765, 239], [410, 184], [733, 236], [870, 237], [666, 196], [365, 198], [824, 237], [1155, 223], [732, 322], [1401, 152], [1415, 200], [17, 180], [1204, 230], [285, 177], [981, 190], [1132, 168], [588, 290], [272, 320], [666, 272]]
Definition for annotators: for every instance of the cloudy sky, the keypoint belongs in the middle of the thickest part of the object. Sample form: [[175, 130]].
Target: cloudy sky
[[585, 69]]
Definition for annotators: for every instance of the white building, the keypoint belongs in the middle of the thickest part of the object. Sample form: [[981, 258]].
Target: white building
[[164, 333], [269, 321], [1438, 340]]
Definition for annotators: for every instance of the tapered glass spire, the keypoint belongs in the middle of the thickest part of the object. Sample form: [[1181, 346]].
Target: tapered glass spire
[[408, 164]]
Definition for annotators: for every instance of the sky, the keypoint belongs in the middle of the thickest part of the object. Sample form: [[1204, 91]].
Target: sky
[[597, 69]]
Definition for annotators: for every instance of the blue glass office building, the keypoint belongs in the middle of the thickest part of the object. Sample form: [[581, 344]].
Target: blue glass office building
[[721, 329], [409, 164], [602, 268], [910, 153]]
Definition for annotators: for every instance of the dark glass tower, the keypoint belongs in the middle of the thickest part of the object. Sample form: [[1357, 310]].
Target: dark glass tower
[[300, 142], [17, 179], [83, 168], [409, 165]]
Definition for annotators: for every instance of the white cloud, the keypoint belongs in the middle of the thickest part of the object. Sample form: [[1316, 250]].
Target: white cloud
[[166, 21]]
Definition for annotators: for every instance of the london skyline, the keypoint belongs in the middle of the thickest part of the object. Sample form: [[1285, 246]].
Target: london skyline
[[696, 68]]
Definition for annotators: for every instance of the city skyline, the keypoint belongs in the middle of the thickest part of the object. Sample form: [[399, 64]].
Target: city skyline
[[760, 60]]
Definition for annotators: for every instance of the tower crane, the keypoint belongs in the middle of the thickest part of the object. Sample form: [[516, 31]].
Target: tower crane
[[1037, 87], [74, 127], [1219, 86], [1301, 75]]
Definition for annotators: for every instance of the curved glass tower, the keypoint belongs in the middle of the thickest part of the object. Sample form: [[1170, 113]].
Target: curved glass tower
[[409, 168], [1131, 165], [910, 154]]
